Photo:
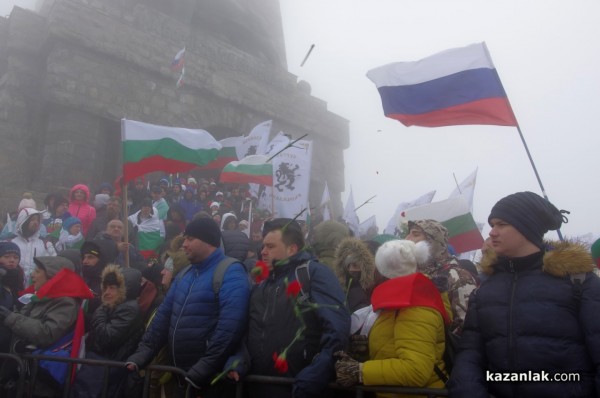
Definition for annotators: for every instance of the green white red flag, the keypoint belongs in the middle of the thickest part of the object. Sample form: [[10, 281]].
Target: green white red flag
[[227, 153], [454, 214], [149, 147], [251, 169]]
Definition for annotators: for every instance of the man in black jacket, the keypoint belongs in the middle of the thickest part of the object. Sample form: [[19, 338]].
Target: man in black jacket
[[281, 340]]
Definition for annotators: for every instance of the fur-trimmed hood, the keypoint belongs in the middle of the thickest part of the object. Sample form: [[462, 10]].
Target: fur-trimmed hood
[[128, 281], [560, 259], [356, 251], [111, 273]]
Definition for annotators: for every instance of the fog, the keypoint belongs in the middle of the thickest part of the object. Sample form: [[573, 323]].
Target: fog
[[546, 53]]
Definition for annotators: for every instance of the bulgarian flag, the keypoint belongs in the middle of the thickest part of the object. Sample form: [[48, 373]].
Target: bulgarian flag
[[149, 147], [150, 234], [227, 153], [251, 169], [454, 214]]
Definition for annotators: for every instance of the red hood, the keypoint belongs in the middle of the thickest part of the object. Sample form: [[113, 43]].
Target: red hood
[[414, 290], [65, 283]]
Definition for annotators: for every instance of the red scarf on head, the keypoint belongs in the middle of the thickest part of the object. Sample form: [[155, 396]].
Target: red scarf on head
[[65, 283], [414, 290]]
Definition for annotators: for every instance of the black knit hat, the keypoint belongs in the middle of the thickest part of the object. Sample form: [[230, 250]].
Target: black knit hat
[[205, 229], [530, 214]]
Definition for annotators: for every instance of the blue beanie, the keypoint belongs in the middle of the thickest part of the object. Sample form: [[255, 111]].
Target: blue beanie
[[9, 248], [69, 222]]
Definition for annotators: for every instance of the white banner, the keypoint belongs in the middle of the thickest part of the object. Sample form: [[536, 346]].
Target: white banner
[[256, 142], [262, 192], [291, 178], [325, 204], [368, 229], [392, 227], [350, 215], [466, 189]]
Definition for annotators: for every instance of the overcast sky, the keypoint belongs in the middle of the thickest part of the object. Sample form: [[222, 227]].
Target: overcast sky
[[547, 54]]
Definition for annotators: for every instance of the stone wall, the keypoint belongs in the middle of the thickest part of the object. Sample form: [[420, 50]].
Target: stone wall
[[70, 73]]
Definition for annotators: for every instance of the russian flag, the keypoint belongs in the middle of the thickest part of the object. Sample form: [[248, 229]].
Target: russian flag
[[177, 63], [459, 86]]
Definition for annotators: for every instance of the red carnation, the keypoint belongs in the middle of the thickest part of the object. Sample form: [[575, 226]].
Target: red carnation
[[281, 364], [260, 272], [293, 288]]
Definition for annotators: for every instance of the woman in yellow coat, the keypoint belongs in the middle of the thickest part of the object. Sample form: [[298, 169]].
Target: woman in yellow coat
[[406, 342]]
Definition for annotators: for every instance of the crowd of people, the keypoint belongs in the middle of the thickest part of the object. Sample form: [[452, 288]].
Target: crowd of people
[[190, 274]]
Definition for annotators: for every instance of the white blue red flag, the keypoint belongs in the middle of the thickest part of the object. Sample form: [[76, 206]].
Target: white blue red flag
[[178, 61], [459, 86]]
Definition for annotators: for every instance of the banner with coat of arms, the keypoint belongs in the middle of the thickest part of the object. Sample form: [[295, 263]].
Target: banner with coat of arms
[[291, 179]]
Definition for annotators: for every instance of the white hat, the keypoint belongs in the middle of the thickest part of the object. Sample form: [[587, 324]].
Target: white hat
[[400, 257], [219, 193], [213, 204], [191, 180], [27, 202]]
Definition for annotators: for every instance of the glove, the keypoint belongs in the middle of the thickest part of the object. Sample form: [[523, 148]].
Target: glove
[[191, 377], [4, 312], [347, 370], [359, 347]]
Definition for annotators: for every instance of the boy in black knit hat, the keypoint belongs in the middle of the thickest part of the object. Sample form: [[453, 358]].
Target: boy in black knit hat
[[536, 314]]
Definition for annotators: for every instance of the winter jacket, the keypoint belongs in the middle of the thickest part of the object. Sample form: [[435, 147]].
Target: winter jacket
[[81, 208], [327, 237], [526, 317], [273, 325], [235, 244], [451, 277], [407, 339], [42, 322], [190, 207], [200, 330], [117, 329], [30, 247]]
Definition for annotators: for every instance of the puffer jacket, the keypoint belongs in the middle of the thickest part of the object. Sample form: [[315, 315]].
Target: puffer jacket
[[526, 317], [235, 244], [30, 247], [81, 208], [407, 339], [200, 332], [116, 329], [273, 325]]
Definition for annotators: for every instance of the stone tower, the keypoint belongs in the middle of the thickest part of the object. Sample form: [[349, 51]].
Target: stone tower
[[72, 70]]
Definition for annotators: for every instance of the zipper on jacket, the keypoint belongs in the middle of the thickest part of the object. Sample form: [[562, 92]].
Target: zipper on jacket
[[511, 342], [179, 316]]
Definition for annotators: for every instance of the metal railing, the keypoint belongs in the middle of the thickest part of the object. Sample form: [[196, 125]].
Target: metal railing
[[31, 362]]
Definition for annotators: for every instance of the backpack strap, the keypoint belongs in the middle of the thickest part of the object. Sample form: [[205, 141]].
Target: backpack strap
[[302, 273], [218, 275]]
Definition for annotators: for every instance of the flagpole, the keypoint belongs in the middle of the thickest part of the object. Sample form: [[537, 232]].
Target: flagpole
[[537, 175], [126, 222], [365, 202], [456, 182]]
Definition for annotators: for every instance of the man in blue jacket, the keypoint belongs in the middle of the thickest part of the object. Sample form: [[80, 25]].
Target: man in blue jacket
[[289, 335], [200, 327]]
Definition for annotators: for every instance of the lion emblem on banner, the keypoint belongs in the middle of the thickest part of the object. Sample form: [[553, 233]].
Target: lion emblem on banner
[[251, 150], [286, 176]]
